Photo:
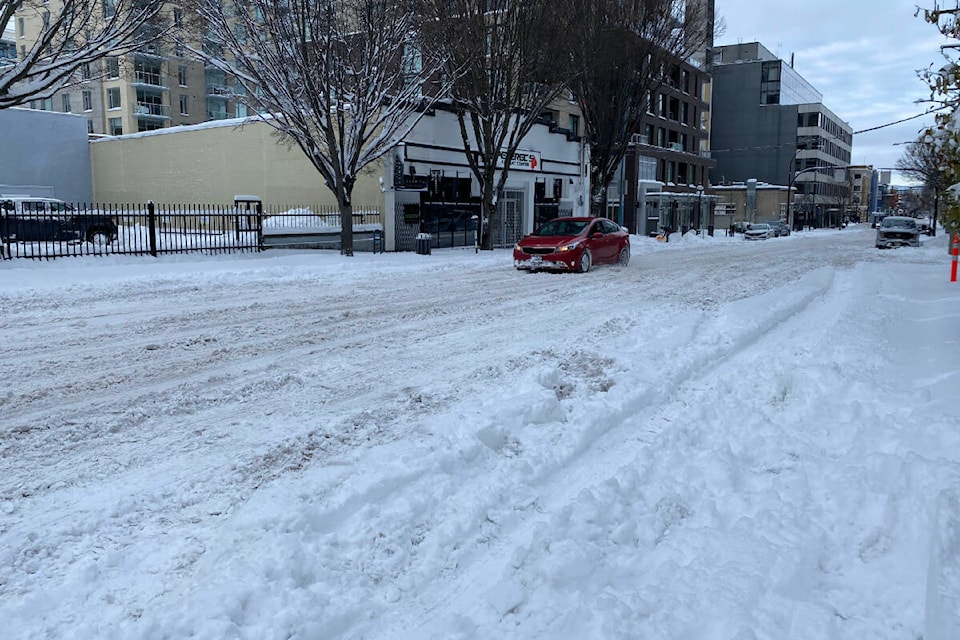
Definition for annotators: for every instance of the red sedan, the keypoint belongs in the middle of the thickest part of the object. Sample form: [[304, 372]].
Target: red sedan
[[573, 244]]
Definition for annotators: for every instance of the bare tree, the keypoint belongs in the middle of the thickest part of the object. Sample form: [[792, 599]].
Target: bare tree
[[922, 162], [623, 53], [339, 79], [503, 59], [70, 34]]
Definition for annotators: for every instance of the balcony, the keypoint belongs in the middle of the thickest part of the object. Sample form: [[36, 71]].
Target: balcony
[[152, 50], [149, 110], [149, 79], [218, 91]]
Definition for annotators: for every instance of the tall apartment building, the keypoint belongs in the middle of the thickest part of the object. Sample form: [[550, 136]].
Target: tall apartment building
[[8, 45], [155, 87], [771, 125], [863, 192]]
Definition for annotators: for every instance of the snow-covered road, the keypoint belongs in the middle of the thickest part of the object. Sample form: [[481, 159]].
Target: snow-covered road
[[721, 440]]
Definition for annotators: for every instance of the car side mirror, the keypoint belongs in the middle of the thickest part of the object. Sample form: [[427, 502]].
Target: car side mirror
[[595, 235]]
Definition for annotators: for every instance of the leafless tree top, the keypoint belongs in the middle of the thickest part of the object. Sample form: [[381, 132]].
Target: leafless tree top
[[70, 34], [339, 78]]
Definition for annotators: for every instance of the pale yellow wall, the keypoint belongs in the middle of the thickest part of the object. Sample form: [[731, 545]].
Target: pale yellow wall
[[212, 164], [769, 202]]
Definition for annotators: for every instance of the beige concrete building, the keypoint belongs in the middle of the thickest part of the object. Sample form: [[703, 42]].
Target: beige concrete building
[[211, 163], [153, 88], [860, 178], [739, 202]]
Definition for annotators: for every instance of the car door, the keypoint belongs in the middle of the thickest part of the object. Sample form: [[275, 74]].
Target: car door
[[611, 239], [599, 242]]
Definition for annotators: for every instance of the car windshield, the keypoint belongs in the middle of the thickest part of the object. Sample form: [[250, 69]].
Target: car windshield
[[899, 222], [760, 227], [561, 227]]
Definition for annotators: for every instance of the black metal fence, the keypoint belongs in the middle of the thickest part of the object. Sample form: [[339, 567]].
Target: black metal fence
[[32, 230]]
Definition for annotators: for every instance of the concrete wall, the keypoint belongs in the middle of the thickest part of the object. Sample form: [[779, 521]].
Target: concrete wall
[[749, 140], [211, 163], [45, 154]]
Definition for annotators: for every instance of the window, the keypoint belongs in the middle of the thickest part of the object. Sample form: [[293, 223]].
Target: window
[[87, 101], [177, 17], [66, 102], [113, 98], [109, 8], [89, 126], [20, 28], [182, 75], [85, 72], [184, 105], [113, 67], [46, 19], [240, 33], [178, 49], [115, 126], [770, 83], [574, 124], [148, 125]]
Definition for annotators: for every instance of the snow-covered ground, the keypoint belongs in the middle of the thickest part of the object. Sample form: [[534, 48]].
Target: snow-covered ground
[[723, 440]]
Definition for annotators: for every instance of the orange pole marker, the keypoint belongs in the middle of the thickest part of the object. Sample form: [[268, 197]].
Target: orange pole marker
[[955, 251]]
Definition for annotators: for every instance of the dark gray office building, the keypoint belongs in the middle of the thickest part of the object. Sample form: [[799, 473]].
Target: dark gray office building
[[771, 125]]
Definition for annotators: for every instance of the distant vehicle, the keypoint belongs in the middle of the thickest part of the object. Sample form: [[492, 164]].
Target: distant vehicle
[[898, 231], [573, 244], [778, 228], [758, 231], [32, 219]]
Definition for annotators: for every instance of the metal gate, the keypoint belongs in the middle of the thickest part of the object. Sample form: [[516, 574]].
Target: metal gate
[[404, 232], [507, 227]]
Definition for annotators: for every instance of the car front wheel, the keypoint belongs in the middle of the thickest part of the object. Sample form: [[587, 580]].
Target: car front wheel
[[624, 258], [99, 237], [586, 261]]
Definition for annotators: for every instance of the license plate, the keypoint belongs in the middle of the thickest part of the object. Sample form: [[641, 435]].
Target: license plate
[[536, 260]]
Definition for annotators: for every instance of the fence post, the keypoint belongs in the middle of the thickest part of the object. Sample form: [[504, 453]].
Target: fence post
[[259, 225], [152, 226]]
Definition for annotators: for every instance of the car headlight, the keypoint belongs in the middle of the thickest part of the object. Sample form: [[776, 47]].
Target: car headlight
[[570, 247]]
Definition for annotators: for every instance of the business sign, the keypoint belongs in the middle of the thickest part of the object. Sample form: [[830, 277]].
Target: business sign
[[522, 159]]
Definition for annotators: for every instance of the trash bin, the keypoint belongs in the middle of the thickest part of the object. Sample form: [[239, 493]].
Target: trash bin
[[423, 244]]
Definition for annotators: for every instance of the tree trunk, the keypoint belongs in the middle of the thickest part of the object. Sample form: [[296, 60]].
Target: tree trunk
[[346, 227]]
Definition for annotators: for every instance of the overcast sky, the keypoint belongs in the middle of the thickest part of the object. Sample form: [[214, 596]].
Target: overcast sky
[[862, 55]]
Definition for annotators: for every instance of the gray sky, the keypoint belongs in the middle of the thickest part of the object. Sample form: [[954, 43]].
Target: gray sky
[[862, 55]]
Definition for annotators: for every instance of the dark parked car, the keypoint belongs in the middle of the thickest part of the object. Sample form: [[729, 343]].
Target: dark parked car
[[573, 244], [29, 219], [780, 228], [898, 231]]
